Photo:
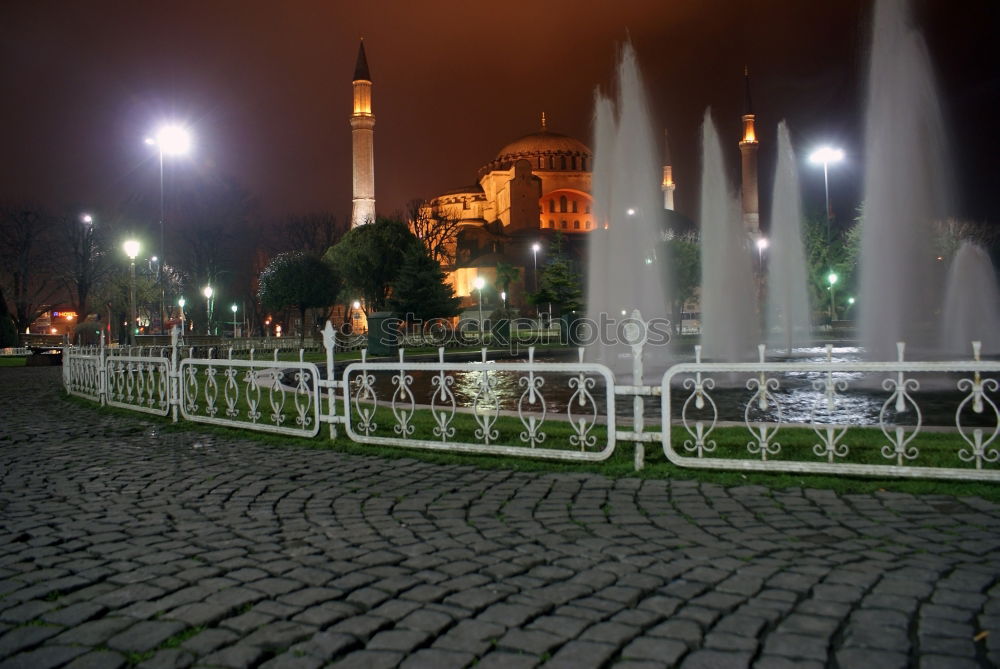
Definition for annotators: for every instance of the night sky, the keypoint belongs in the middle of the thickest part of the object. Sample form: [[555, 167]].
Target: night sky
[[266, 88]]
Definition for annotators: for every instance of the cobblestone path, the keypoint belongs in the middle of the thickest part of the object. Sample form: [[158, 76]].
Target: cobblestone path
[[122, 546]]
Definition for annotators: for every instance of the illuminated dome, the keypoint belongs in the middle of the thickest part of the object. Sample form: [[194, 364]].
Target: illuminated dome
[[546, 151], [543, 142]]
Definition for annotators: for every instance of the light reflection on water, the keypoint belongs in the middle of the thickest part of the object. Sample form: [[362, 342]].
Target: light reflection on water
[[800, 402]]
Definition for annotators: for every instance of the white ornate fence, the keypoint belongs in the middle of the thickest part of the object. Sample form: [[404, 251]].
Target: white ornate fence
[[567, 410]]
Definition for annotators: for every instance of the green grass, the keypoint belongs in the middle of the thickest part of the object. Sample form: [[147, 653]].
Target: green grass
[[936, 450], [13, 361]]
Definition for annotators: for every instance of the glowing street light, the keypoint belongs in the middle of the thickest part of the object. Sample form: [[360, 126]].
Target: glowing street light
[[831, 278], [503, 296], [535, 248], [208, 292], [233, 307], [180, 303], [170, 140], [131, 248]]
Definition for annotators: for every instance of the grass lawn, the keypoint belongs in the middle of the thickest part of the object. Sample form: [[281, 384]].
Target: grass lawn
[[13, 361], [936, 449]]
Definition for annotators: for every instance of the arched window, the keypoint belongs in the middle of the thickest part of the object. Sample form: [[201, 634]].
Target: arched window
[[574, 162], [586, 225], [576, 225], [552, 163], [541, 164], [562, 203], [552, 223], [552, 205], [583, 163], [563, 223], [562, 162], [588, 209], [576, 206]]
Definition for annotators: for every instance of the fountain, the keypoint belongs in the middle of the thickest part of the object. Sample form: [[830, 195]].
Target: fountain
[[625, 273], [904, 188], [971, 304], [789, 320], [729, 319]]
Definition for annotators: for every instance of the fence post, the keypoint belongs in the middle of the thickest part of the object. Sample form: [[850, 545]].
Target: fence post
[[636, 339], [174, 384], [102, 373], [330, 343]]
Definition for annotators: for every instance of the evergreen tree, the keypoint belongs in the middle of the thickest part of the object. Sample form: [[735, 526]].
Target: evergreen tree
[[559, 283], [420, 291], [297, 279], [369, 258]]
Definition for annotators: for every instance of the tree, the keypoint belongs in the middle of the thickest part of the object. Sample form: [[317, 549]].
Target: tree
[[683, 254], [26, 261], [86, 260], [559, 283], [839, 252], [506, 275], [437, 232], [313, 233], [369, 257], [420, 291], [297, 279]]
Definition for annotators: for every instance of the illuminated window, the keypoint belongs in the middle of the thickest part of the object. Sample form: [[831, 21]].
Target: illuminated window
[[562, 203]]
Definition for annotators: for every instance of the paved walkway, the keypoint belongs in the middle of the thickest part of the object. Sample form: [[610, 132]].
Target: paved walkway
[[120, 545]]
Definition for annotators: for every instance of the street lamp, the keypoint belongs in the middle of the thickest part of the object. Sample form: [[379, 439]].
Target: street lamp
[[762, 244], [180, 303], [208, 292], [831, 278], [171, 140], [535, 248], [131, 250], [825, 155], [479, 283], [503, 296], [233, 307]]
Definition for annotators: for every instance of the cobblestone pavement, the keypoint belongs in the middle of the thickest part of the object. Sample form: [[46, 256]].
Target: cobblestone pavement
[[119, 545]]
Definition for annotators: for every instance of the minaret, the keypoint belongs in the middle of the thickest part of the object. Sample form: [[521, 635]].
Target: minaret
[[748, 151], [668, 185], [363, 144]]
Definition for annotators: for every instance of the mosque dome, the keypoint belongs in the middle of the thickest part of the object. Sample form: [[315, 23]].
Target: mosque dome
[[543, 142], [545, 151]]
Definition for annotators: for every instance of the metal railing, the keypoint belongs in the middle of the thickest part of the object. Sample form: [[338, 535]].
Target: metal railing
[[795, 416]]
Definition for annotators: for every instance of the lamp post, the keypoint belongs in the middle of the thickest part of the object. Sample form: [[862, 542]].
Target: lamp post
[[131, 250], [170, 140], [479, 283], [825, 155], [535, 248], [503, 296], [180, 303], [762, 245], [208, 292], [832, 280], [233, 307]]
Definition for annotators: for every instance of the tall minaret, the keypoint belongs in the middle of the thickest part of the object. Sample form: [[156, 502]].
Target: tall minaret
[[668, 185], [363, 144], [748, 150]]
